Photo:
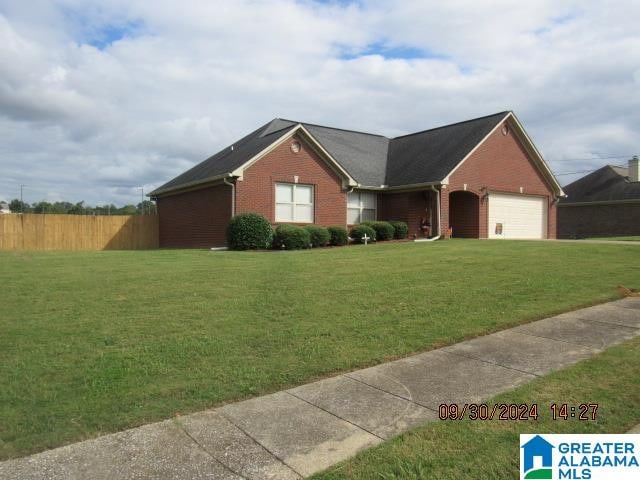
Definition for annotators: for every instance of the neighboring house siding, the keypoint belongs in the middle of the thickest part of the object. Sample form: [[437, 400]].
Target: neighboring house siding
[[598, 220], [256, 192], [195, 219], [407, 207], [499, 164]]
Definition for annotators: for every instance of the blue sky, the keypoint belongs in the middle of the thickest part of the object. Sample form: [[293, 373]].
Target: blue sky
[[388, 51], [110, 33], [99, 98]]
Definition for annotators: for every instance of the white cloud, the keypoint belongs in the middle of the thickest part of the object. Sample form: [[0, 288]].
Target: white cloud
[[183, 79]]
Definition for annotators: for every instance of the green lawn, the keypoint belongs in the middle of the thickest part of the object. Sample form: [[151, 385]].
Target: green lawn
[[453, 450], [97, 342], [623, 239]]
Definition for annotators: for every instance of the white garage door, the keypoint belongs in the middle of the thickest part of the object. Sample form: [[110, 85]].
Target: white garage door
[[517, 216]]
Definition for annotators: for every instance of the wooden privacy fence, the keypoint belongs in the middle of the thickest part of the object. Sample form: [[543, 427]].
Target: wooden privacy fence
[[31, 231]]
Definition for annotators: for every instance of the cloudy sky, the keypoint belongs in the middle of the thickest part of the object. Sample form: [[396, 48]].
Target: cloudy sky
[[98, 98]]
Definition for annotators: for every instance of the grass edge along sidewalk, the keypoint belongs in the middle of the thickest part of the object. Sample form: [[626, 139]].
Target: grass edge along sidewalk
[[451, 450], [98, 342], [306, 429]]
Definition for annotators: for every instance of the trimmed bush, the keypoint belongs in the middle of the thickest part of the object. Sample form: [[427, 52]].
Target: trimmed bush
[[339, 236], [401, 229], [291, 237], [319, 235], [384, 230], [359, 231], [249, 231]]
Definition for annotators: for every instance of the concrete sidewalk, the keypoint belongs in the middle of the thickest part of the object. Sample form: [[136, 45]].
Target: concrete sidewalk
[[297, 432]]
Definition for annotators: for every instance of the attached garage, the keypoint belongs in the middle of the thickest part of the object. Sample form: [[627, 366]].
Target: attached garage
[[464, 180], [517, 216]]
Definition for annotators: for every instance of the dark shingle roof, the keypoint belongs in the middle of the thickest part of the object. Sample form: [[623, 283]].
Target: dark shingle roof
[[429, 156], [371, 160], [362, 155], [609, 183], [228, 159]]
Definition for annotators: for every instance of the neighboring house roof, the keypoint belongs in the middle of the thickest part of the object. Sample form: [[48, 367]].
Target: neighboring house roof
[[368, 160], [607, 184]]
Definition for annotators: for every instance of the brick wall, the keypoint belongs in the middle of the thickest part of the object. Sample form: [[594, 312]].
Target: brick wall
[[195, 219], [598, 220], [463, 216], [256, 192], [499, 164], [408, 207], [199, 218]]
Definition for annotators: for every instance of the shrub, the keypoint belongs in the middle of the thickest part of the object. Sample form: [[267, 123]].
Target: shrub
[[359, 231], [291, 237], [339, 236], [320, 236], [249, 231], [401, 229], [384, 230]]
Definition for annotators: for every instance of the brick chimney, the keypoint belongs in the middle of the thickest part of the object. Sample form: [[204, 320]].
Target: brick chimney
[[634, 169]]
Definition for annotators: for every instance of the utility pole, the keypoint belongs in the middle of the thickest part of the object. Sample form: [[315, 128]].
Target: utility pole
[[21, 202], [142, 200]]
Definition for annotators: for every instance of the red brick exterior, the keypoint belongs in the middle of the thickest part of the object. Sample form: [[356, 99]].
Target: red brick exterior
[[408, 207], [464, 218], [579, 221], [195, 219], [256, 192], [198, 218], [500, 164]]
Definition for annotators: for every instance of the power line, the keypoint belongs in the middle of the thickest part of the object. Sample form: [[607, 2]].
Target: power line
[[594, 158], [584, 171]]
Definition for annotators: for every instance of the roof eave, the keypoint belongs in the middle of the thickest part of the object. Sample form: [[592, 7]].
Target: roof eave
[[599, 202], [538, 156], [315, 144], [411, 186], [535, 154], [185, 186]]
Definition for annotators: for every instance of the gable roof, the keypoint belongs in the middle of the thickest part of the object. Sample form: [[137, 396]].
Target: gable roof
[[607, 184], [227, 159], [363, 155], [365, 159], [432, 154]]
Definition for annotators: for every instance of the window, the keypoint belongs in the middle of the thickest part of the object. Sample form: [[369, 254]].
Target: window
[[361, 206], [294, 203]]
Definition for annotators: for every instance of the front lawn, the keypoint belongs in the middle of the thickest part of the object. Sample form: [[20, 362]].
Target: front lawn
[[623, 239], [452, 450], [97, 342]]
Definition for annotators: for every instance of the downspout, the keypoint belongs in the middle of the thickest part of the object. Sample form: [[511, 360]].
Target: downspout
[[438, 193], [233, 196], [350, 190]]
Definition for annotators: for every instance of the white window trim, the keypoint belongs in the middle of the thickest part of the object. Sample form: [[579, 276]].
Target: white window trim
[[293, 202], [361, 207]]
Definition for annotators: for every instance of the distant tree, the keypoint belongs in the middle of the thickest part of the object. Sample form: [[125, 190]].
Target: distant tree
[[128, 210], [18, 206], [42, 207], [78, 209], [109, 209], [61, 207], [147, 208]]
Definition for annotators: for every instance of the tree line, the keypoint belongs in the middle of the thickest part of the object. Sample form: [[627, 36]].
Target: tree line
[[146, 207]]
